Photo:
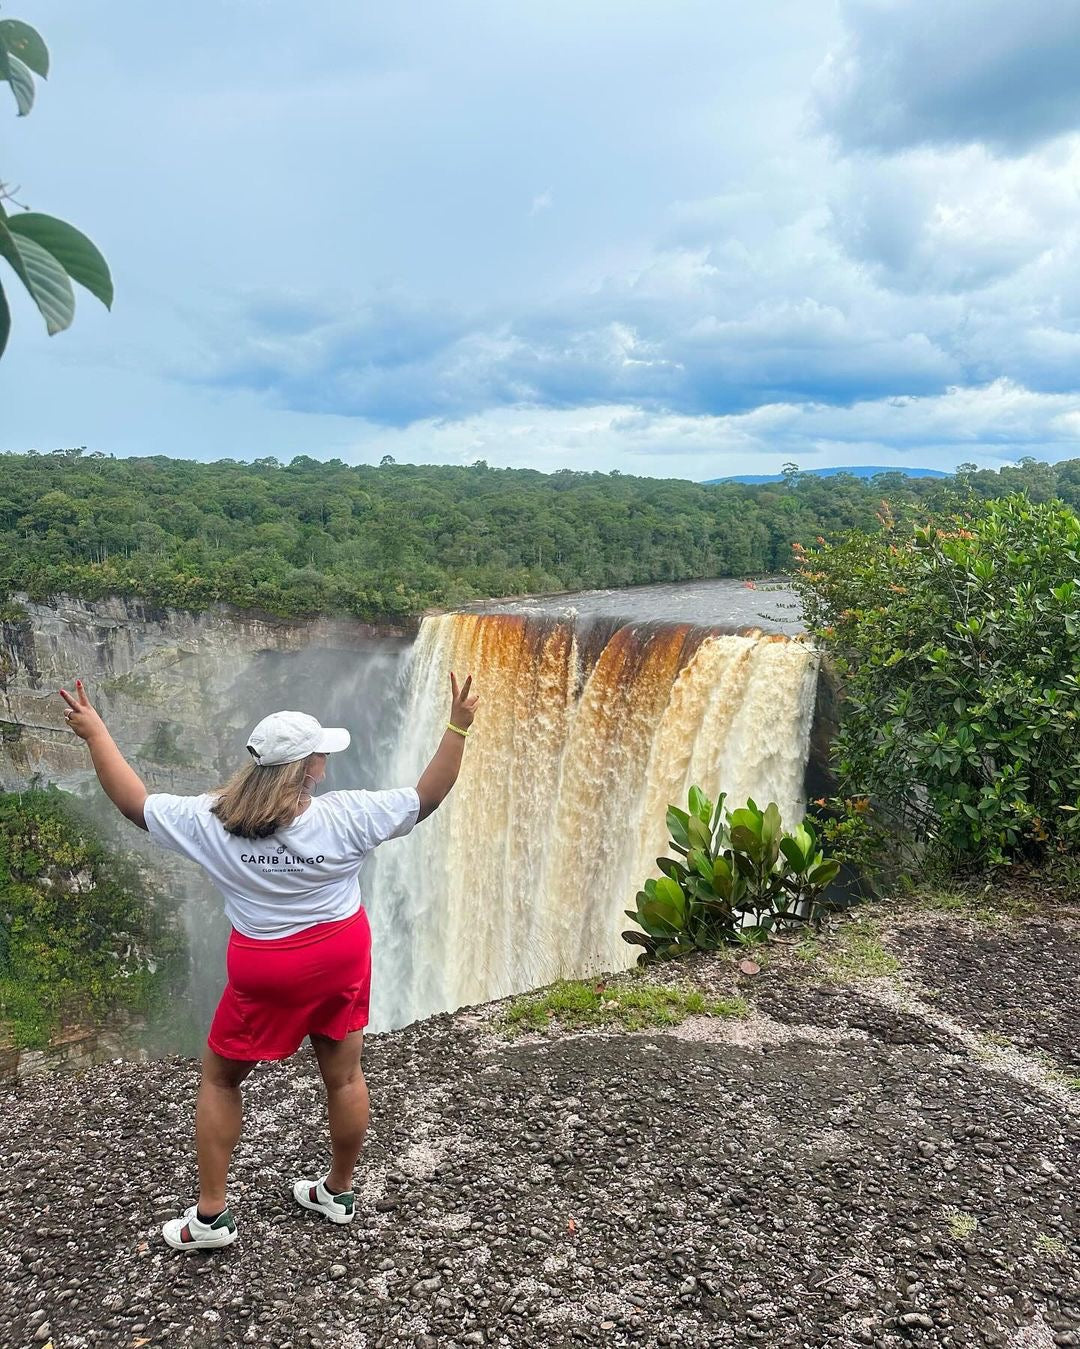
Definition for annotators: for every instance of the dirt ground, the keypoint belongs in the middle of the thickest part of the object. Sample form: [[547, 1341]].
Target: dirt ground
[[869, 1157]]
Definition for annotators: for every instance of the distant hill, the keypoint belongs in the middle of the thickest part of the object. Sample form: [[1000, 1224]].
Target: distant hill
[[858, 471]]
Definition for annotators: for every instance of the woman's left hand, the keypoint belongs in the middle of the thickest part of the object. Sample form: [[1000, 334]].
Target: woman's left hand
[[463, 702], [80, 716]]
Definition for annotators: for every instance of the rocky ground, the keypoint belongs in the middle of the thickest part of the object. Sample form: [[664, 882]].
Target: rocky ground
[[882, 1152]]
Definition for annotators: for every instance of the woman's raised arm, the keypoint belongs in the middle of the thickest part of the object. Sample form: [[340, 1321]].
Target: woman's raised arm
[[441, 773], [121, 784]]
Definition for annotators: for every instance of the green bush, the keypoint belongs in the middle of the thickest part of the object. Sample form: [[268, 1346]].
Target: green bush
[[736, 873], [81, 933], [956, 640]]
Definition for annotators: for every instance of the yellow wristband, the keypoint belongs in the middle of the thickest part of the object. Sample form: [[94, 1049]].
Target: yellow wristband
[[451, 727]]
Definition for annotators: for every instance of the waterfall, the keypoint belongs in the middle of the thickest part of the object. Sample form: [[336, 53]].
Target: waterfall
[[583, 737]]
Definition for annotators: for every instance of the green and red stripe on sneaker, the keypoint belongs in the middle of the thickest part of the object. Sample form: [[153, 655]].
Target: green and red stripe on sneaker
[[313, 1195], [189, 1233]]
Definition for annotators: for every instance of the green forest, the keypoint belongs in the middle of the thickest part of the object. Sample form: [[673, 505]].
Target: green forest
[[83, 931], [389, 541]]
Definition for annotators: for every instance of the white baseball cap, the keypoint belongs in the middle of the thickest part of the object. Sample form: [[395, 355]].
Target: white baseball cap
[[285, 737]]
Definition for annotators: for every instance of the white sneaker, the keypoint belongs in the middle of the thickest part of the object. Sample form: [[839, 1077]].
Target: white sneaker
[[189, 1234], [313, 1194]]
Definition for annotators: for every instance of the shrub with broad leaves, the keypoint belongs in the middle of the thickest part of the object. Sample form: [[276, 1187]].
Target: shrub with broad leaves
[[956, 640], [734, 873]]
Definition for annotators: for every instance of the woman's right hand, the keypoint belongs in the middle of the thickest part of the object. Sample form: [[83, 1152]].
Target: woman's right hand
[[80, 716], [463, 702]]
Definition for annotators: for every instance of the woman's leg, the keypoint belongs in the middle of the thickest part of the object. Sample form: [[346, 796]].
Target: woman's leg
[[219, 1113], [347, 1102]]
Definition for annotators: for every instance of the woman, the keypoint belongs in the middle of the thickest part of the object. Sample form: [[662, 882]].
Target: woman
[[299, 961]]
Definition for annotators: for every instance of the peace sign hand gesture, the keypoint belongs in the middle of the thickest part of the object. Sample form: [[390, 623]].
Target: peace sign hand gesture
[[463, 705], [80, 716]]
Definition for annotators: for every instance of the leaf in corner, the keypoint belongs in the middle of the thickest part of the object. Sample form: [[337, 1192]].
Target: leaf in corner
[[749, 967], [79, 257], [26, 44], [18, 76]]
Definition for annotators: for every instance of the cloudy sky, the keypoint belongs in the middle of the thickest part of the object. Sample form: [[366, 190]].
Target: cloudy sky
[[681, 238]]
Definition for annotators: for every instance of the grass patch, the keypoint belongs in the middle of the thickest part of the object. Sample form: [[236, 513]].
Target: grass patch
[[859, 954], [1049, 1245], [1055, 1074], [961, 1225], [990, 906], [852, 951], [585, 1002]]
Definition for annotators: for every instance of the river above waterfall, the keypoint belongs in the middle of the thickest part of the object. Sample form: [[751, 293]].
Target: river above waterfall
[[727, 604]]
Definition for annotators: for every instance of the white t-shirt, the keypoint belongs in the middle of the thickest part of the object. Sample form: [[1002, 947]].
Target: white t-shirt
[[304, 874]]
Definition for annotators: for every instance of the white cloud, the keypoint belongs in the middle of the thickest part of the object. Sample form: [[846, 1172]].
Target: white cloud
[[994, 423], [917, 72], [953, 220]]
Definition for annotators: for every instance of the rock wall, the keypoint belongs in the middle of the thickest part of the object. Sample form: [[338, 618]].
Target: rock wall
[[178, 690], [73, 1047]]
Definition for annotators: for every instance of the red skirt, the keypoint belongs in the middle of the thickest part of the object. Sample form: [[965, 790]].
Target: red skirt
[[316, 982]]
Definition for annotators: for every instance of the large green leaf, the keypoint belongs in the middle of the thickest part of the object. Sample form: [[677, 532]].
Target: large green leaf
[[42, 276], [770, 824], [26, 44], [700, 835], [724, 879], [700, 805], [671, 892], [699, 860], [825, 874], [5, 320], [670, 867], [665, 908], [9, 251], [748, 841], [658, 919], [18, 76], [678, 823], [805, 837], [745, 818], [71, 248]]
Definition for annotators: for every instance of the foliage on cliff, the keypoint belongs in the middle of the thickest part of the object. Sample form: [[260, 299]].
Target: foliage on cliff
[[957, 642], [389, 541], [80, 931]]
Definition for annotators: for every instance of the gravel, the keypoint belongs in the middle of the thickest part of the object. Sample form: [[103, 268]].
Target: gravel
[[843, 1168]]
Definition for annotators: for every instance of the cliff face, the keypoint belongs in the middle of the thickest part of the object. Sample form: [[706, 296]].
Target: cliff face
[[178, 690]]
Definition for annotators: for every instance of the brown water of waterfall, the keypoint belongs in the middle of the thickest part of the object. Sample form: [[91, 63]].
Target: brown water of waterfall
[[587, 731]]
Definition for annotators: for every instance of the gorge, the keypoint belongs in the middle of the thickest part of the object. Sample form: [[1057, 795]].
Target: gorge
[[597, 712]]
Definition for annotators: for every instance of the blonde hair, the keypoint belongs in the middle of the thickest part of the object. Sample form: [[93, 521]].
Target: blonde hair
[[260, 799]]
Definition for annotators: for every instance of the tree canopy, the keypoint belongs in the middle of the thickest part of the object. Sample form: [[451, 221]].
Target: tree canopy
[[388, 541]]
